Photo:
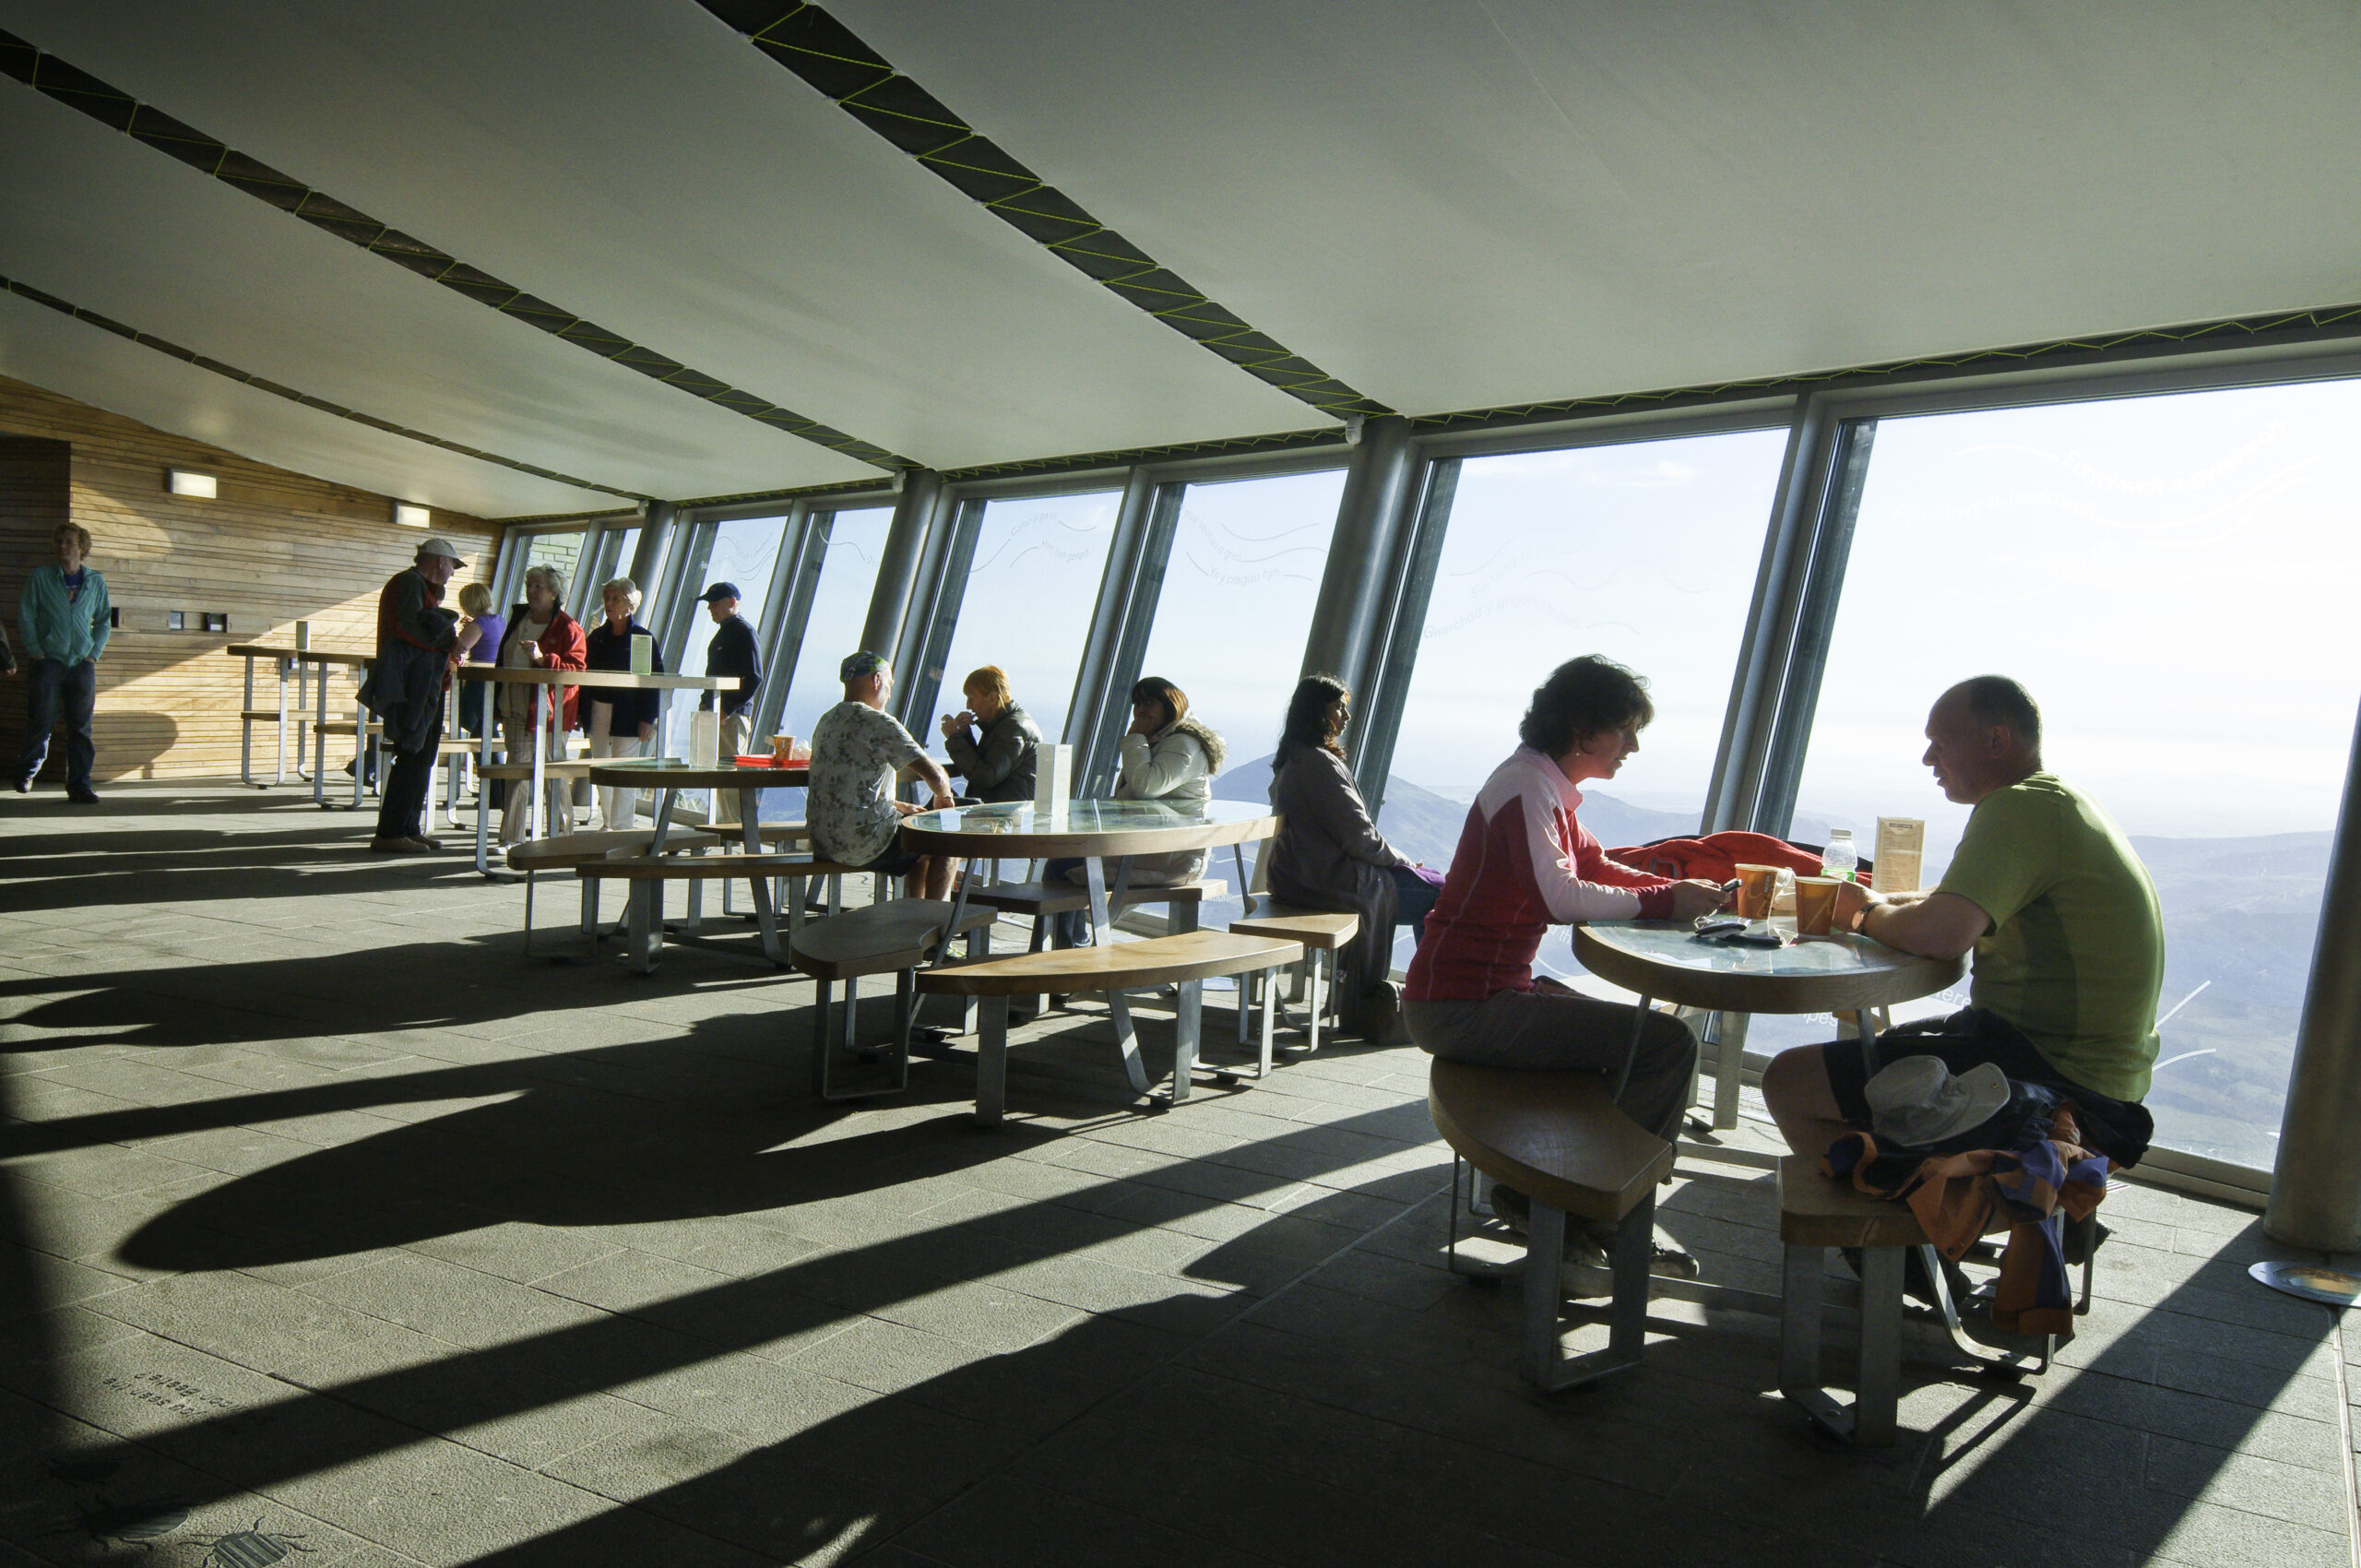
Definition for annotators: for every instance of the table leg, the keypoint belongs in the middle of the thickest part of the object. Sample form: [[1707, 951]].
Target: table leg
[[534, 826], [1188, 1015], [483, 784], [362, 756], [281, 773], [749, 811], [320, 745], [1127, 1040], [246, 729]]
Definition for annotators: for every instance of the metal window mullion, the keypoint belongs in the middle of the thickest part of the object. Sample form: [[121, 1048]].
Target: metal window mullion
[[1748, 717], [802, 582], [1346, 634], [1824, 586], [1115, 578], [913, 688], [899, 562], [945, 600], [1111, 704], [1392, 669], [772, 698]]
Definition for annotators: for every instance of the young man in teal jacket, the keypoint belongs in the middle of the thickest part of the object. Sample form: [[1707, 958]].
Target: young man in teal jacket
[[64, 619]]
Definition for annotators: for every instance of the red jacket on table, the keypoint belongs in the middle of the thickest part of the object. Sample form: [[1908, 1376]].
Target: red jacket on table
[[1524, 865], [563, 645]]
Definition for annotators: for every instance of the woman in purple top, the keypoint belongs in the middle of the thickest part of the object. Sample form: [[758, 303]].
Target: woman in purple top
[[479, 643]]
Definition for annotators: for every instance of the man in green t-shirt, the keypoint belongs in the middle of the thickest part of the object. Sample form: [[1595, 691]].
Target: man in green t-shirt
[[2068, 942]]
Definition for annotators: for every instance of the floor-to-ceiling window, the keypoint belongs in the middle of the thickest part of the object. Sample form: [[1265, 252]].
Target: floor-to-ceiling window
[[2171, 577], [1235, 607], [1032, 581], [1645, 552], [839, 609]]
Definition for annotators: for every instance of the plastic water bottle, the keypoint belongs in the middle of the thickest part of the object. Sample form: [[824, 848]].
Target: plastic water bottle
[[1840, 859]]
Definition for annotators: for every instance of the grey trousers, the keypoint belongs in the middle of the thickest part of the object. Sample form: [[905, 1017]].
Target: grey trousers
[[1552, 1031]]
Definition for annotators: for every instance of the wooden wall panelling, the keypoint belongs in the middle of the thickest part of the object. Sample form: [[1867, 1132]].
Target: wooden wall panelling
[[273, 548]]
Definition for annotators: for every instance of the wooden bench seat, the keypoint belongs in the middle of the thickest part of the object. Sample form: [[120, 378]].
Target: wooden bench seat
[[1561, 1139], [1320, 930], [647, 877], [891, 938], [1184, 959], [1059, 897], [1817, 1212], [511, 772], [714, 868], [563, 851]]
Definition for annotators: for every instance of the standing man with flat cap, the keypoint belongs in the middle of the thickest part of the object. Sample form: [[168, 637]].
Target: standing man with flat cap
[[416, 643], [731, 652]]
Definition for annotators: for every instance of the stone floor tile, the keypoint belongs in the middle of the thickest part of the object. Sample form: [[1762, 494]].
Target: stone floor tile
[[458, 1305]]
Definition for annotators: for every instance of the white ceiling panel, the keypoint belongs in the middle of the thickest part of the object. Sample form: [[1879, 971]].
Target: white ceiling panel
[[642, 166], [111, 225], [66, 356], [1453, 204]]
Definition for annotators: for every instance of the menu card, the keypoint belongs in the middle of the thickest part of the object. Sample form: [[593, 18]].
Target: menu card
[[643, 654], [1901, 844], [1054, 779]]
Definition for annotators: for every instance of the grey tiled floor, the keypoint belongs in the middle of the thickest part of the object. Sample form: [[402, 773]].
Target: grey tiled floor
[[337, 1229]]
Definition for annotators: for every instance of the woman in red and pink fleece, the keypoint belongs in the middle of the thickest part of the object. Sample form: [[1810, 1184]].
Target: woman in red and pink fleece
[[1525, 864]]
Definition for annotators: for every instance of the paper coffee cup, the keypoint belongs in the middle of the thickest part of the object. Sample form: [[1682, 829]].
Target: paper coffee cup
[[783, 748], [1757, 885], [1815, 905]]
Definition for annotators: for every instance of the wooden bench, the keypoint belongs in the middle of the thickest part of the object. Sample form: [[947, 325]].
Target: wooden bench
[[1320, 930], [565, 851], [1561, 1139], [1043, 898], [647, 877], [1817, 1212], [893, 938], [1184, 959]]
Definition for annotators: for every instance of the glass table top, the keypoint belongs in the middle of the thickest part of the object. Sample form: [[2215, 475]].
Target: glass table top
[[1677, 945], [1083, 816]]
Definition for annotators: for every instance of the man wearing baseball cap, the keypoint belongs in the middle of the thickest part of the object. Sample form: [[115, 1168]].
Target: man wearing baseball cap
[[416, 643], [858, 750], [731, 652]]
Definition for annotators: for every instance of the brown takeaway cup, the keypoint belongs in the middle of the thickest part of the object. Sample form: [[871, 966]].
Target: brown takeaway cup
[[1757, 885], [783, 748], [1815, 905]]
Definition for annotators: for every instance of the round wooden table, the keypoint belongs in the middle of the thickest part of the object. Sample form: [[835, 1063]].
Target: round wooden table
[[1664, 960], [668, 777]]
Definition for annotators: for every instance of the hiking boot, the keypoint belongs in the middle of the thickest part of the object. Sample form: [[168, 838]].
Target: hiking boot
[[2084, 1238], [1511, 1209], [82, 795], [398, 847]]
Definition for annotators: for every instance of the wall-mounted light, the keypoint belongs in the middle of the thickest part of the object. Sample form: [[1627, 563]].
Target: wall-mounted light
[[408, 516], [180, 481]]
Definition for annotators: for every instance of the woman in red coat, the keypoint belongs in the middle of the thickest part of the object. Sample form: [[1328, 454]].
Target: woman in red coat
[[540, 635]]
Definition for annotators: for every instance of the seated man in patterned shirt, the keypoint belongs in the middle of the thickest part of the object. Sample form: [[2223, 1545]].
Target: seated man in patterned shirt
[[858, 751]]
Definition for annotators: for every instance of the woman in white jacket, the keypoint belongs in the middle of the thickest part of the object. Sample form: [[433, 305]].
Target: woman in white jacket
[[1166, 756]]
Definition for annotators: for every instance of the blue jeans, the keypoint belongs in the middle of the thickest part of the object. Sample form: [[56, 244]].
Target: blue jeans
[[50, 687], [1414, 896]]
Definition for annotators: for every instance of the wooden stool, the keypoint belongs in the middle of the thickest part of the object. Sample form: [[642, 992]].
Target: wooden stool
[[1818, 1212], [1320, 930], [1561, 1139], [892, 938]]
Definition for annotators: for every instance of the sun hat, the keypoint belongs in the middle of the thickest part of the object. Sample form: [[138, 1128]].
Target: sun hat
[[1918, 1102]]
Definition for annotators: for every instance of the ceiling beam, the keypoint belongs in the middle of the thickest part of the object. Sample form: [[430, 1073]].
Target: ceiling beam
[[77, 88], [856, 78], [248, 378]]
